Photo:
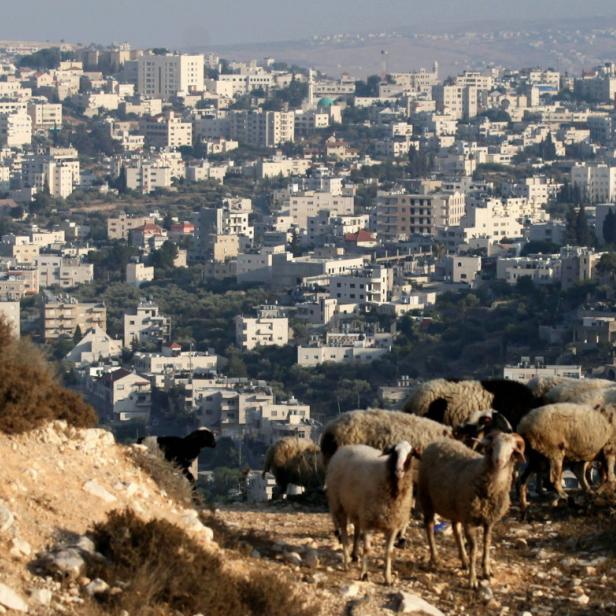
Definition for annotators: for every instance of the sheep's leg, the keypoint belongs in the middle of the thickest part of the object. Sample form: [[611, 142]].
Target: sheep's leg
[[457, 533], [401, 537], [471, 537], [556, 475], [389, 548], [340, 521], [364, 564], [487, 542], [429, 525], [356, 537], [579, 470], [610, 460]]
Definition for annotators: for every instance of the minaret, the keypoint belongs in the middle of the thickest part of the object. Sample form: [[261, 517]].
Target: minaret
[[310, 88]]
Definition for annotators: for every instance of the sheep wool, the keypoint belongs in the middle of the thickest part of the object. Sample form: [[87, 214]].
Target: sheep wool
[[450, 402], [481, 495], [565, 430], [586, 391], [295, 460], [373, 490], [379, 429]]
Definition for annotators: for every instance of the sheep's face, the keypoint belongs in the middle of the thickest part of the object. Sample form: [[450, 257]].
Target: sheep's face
[[504, 449]]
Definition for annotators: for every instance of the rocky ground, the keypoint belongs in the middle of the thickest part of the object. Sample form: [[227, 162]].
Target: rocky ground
[[55, 483], [562, 562]]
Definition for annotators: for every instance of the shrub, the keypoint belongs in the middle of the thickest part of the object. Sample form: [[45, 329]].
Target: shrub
[[29, 392], [164, 571]]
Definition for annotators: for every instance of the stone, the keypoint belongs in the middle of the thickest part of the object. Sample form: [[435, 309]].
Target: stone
[[11, 600], [20, 548], [255, 554], [85, 544], [410, 603], [311, 558], [96, 587], [293, 558], [68, 562], [41, 596], [583, 599], [7, 519], [485, 593], [94, 488], [350, 590]]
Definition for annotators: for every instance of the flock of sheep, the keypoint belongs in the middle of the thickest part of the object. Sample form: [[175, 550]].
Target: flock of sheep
[[458, 444]]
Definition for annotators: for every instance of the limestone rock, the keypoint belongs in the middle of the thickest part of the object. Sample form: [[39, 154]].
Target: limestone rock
[[11, 600], [19, 548], [68, 562], [293, 558], [41, 596], [96, 587], [411, 604], [94, 488], [7, 519]]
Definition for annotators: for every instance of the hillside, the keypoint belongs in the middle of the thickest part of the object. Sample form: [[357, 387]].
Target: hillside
[[57, 482]]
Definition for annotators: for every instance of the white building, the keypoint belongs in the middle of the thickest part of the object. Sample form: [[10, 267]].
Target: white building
[[596, 181], [96, 345], [15, 129], [136, 273], [252, 332], [164, 76], [369, 285], [146, 325], [65, 272]]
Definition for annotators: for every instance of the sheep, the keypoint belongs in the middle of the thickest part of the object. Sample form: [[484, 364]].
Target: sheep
[[469, 489], [295, 460], [182, 451], [565, 430], [380, 429], [453, 402], [373, 489], [581, 391], [479, 425]]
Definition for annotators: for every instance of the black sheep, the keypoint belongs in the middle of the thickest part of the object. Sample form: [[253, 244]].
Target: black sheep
[[183, 451]]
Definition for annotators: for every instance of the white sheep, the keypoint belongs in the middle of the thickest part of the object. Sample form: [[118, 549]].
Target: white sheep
[[580, 391], [576, 432], [454, 402], [379, 429], [373, 490], [470, 489], [295, 460]]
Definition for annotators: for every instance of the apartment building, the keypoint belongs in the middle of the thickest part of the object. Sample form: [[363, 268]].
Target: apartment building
[[145, 325], [262, 129], [541, 269], [458, 101], [58, 171], [164, 76], [15, 129], [64, 272], [64, 314], [167, 130], [369, 285], [307, 204], [121, 396], [344, 348], [119, 227], [400, 215], [44, 115], [20, 248], [598, 88], [252, 332], [222, 232], [596, 181]]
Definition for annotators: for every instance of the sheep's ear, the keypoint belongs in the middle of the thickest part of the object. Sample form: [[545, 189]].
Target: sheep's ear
[[388, 451], [518, 448]]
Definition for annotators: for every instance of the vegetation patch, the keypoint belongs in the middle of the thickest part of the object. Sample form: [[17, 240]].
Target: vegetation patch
[[29, 392], [162, 571]]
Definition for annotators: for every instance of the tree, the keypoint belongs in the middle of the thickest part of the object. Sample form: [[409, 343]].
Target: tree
[[583, 233], [571, 226], [609, 227], [77, 336], [165, 256]]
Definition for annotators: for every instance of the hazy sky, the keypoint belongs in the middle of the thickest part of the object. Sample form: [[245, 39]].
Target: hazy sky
[[203, 22]]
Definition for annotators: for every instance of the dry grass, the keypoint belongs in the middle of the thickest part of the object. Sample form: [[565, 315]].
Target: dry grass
[[29, 393], [166, 475], [164, 572]]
